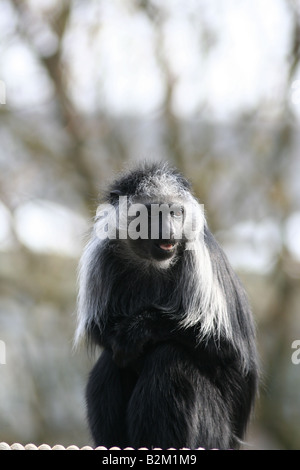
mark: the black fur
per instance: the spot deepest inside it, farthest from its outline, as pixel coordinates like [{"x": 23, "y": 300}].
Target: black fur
[{"x": 162, "y": 380}]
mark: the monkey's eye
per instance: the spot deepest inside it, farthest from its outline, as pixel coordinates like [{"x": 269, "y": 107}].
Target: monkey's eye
[
  {"x": 178, "y": 212},
  {"x": 115, "y": 192}
]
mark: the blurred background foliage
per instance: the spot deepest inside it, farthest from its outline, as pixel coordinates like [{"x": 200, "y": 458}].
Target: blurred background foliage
[{"x": 212, "y": 86}]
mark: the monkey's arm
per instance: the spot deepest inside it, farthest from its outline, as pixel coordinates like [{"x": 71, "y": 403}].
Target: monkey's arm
[
  {"x": 130, "y": 337},
  {"x": 126, "y": 337}
]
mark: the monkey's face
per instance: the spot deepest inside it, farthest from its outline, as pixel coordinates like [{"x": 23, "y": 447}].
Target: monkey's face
[
  {"x": 156, "y": 234},
  {"x": 151, "y": 216}
]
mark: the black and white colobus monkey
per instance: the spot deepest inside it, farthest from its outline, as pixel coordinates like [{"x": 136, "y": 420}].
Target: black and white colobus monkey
[{"x": 178, "y": 366}]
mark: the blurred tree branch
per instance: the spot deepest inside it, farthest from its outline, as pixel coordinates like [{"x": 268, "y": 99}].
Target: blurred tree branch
[
  {"x": 173, "y": 128},
  {"x": 295, "y": 38},
  {"x": 74, "y": 160}
]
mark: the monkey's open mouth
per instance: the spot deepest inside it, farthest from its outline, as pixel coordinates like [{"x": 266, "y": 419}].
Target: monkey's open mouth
[{"x": 167, "y": 245}]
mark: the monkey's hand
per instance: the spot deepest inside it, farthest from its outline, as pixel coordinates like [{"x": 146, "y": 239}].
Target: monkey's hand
[{"x": 133, "y": 335}]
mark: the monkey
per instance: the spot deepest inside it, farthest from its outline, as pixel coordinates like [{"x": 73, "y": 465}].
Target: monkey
[{"x": 178, "y": 364}]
